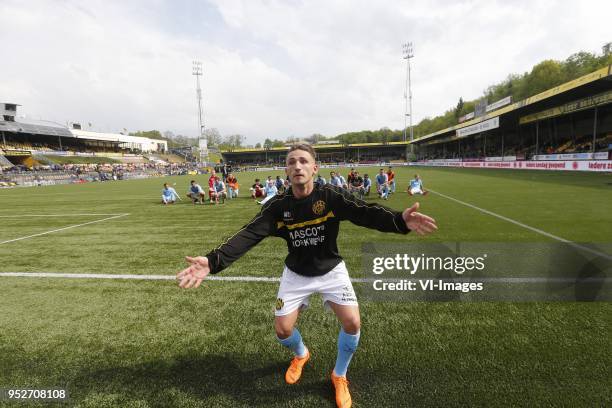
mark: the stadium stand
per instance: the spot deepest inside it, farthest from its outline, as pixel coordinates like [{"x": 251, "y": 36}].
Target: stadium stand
[
  {"x": 572, "y": 118},
  {"x": 43, "y": 152},
  {"x": 328, "y": 154},
  {"x": 38, "y": 155}
]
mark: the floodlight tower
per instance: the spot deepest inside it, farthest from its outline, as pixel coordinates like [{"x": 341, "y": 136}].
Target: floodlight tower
[
  {"x": 197, "y": 72},
  {"x": 408, "y": 54}
]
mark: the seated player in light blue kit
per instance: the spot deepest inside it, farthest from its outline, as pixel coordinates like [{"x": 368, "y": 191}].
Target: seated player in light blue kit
[
  {"x": 367, "y": 184},
  {"x": 220, "y": 191},
  {"x": 196, "y": 193},
  {"x": 416, "y": 186},
  {"x": 382, "y": 184},
  {"x": 334, "y": 180},
  {"x": 169, "y": 195},
  {"x": 270, "y": 190}
]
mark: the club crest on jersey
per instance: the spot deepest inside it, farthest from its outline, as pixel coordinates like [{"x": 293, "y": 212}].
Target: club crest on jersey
[
  {"x": 318, "y": 207},
  {"x": 279, "y": 304}
]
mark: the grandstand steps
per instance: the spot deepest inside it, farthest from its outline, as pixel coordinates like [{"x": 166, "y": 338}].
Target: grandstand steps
[
  {"x": 170, "y": 158},
  {"x": 131, "y": 159},
  {"x": 45, "y": 160},
  {"x": 4, "y": 162}
]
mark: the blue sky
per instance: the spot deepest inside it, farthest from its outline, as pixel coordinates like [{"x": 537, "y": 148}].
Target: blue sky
[{"x": 274, "y": 68}]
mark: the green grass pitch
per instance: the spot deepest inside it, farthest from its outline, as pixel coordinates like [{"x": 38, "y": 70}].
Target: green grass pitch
[{"x": 127, "y": 343}]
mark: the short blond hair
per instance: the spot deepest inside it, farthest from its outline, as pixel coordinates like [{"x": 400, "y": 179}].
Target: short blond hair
[{"x": 305, "y": 147}]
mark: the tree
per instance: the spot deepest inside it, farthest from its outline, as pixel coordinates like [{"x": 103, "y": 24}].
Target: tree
[
  {"x": 545, "y": 75},
  {"x": 151, "y": 134},
  {"x": 185, "y": 140},
  {"x": 459, "y": 108},
  {"x": 236, "y": 140},
  {"x": 213, "y": 137},
  {"x": 278, "y": 143},
  {"x": 315, "y": 138}
]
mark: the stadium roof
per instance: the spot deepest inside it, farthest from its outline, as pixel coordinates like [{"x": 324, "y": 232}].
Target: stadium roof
[
  {"x": 115, "y": 137},
  {"x": 316, "y": 147},
  {"x": 35, "y": 129},
  {"x": 52, "y": 129},
  {"x": 600, "y": 80}
]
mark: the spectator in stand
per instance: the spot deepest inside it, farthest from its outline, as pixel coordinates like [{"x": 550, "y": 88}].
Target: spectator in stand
[
  {"x": 232, "y": 186},
  {"x": 257, "y": 190},
  {"x": 195, "y": 193},
  {"x": 169, "y": 195}
]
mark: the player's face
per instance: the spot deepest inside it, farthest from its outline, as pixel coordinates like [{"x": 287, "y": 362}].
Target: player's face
[{"x": 301, "y": 167}]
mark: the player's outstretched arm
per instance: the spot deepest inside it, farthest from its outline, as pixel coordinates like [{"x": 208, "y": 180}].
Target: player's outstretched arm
[
  {"x": 417, "y": 222},
  {"x": 194, "y": 274}
]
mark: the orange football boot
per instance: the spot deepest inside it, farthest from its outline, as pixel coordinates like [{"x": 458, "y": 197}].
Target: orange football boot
[
  {"x": 294, "y": 372},
  {"x": 343, "y": 396}
]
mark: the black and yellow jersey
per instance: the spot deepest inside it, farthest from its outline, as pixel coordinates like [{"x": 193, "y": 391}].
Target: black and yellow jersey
[{"x": 309, "y": 226}]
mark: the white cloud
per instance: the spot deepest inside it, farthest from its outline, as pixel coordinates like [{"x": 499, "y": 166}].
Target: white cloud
[{"x": 278, "y": 68}]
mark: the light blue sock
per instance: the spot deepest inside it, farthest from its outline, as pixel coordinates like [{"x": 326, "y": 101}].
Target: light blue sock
[
  {"x": 294, "y": 343},
  {"x": 347, "y": 344}
]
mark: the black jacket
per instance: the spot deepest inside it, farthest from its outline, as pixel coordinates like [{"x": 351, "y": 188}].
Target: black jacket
[{"x": 309, "y": 226}]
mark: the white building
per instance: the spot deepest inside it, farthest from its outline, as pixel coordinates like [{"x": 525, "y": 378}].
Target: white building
[
  {"x": 144, "y": 144},
  {"x": 8, "y": 111}
]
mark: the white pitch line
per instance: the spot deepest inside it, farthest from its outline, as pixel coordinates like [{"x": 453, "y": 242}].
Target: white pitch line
[
  {"x": 136, "y": 277},
  {"x": 55, "y": 215},
  {"x": 520, "y": 224},
  {"x": 271, "y": 279},
  {"x": 63, "y": 229}
]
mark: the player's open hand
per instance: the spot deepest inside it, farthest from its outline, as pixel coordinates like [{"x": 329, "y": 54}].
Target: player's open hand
[
  {"x": 417, "y": 222},
  {"x": 193, "y": 275}
]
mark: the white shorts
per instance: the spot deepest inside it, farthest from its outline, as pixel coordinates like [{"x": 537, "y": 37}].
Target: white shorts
[
  {"x": 295, "y": 290},
  {"x": 416, "y": 191}
]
